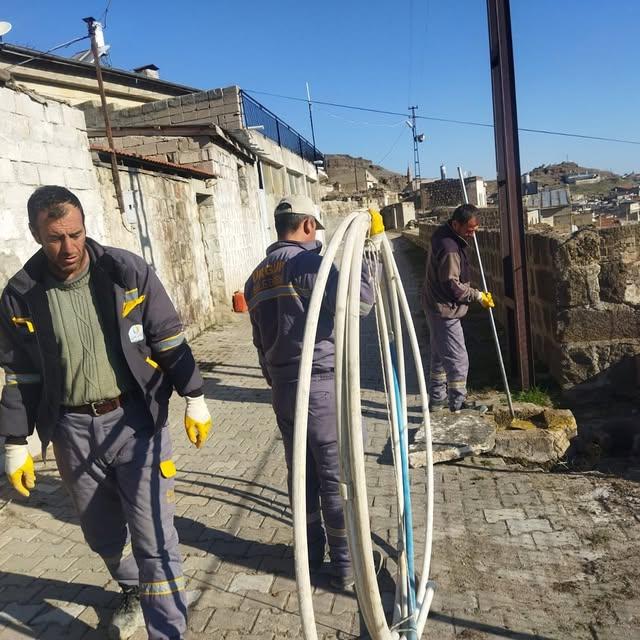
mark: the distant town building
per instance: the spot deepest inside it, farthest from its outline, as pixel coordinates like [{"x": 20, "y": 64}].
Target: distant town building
[
  {"x": 581, "y": 178},
  {"x": 548, "y": 206},
  {"x": 448, "y": 193}
]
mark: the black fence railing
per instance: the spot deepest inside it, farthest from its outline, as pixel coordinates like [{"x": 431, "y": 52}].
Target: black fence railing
[{"x": 256, "y": 115}]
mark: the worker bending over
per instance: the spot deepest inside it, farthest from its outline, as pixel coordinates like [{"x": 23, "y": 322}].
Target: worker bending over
[
  {"x": 92, "y": 349},
  {"x": 278, "y": 295},
  {"x": 446, "y": 296}
]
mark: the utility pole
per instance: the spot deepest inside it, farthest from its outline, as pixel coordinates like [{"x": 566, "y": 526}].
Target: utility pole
[
  {"x": 355, "y": 173},
  {"x": 416, "y": 152},
  {"x": 514, "y": 258},
  {"x": 96, "y": 28}
]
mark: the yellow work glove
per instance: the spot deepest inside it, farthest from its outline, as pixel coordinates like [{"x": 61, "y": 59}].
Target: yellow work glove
[
  {"x": 197, "y": 420},
  {"x": 486, "y": 300},
  {"x": 18, "y": 465},
  {"x": 376, "y": 227}
]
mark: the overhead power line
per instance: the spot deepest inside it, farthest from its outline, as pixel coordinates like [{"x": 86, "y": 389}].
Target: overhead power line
[{"x": 470, "y": 123}]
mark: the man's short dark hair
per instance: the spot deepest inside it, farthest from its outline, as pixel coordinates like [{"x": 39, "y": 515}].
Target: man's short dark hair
[
  {"x": 464, "y": 213},
  {"x": 287, "y": 223},
  {"x": 51, "y": 199}
]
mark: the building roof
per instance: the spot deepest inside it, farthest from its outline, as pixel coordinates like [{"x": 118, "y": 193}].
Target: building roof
[
  {"x": 133, "y": 159},
  {"x": 17, "y": 55},
  {"x": 548, "y": 198}
]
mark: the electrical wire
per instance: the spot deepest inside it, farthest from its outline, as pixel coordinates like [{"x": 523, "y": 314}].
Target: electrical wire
[
  {"x": 472, "y": 123},
  {"x": 393, "y": 146},
  {"x": 104, "y": 15}
]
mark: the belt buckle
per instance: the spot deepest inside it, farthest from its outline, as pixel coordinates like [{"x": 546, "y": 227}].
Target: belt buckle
[{"x": 94, "y": 408}]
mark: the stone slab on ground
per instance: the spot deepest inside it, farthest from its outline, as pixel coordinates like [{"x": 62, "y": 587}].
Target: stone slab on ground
[{"x": 454, "y": 436}]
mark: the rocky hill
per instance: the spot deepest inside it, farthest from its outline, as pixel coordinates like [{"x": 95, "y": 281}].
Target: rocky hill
[
  {"x": 389, "y": 179},
  {"x": 550, "y": 175}
]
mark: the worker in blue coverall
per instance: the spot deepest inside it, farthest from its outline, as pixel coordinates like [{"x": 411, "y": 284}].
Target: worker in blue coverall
[
  {"x": 92, "y": 349},
  {"x": 278, "y": 294}
]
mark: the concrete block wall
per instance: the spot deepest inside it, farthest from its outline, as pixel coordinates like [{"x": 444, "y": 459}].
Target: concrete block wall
[
  {"x": 584, "y": 300},
  {"x": 41, "y": 142},
  {"x": 218, "y": 106}
]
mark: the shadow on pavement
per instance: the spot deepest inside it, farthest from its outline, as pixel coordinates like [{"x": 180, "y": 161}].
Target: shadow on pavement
[
  {"x": 27, "y": 612},
  {"x": 469, "y": 627}
]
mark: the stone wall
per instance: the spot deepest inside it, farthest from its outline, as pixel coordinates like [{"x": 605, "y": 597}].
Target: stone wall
[
  {"x": 584, "y": 297},
  {"x": 171, "y": 227}
]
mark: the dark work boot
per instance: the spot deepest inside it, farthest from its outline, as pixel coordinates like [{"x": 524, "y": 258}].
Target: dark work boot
[
  {"x": 470, "y": 406},
  {"x": 127, "y": 618}
]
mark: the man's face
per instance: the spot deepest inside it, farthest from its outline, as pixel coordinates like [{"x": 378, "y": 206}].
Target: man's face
[
  {"x": 466, "y": 229},
  {"x": 63, "y": 241}
]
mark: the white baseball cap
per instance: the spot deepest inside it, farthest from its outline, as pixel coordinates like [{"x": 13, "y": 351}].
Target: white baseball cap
[{"x": 300, "y": 205}]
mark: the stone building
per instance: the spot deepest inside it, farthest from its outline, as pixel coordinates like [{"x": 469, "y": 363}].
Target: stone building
[
  {"x": 448, "y": 193},
  {"x": 201, "y": 172}
]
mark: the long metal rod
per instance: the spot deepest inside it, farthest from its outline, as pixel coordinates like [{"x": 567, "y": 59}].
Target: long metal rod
[
  {"x": 493, "y": 321},
  {"x": 91, "y": 23}
]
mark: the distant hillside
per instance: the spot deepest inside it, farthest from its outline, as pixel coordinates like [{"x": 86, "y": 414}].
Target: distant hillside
[
  {"x": 390, "y": 179},
  {"x": 550, "y": 175}
]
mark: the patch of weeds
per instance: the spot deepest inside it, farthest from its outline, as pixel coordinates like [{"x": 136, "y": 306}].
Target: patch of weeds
[{"x": 535, "y": 395}]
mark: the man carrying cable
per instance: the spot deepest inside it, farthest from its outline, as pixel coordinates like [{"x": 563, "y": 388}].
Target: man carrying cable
[
  {"x": 92, "y": 349},
  {"x": 278, "y": 294},
  {"x": 446, "y": 296}
]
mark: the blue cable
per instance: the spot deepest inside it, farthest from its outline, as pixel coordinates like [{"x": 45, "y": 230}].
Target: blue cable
[{"x": 406, "y": 489}]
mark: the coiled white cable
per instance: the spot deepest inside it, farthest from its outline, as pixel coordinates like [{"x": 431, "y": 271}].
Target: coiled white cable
[{"x": 391, "y": 300}]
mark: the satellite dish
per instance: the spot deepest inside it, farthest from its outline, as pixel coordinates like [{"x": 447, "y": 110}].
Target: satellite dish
[{"x": 5, "y": 27}]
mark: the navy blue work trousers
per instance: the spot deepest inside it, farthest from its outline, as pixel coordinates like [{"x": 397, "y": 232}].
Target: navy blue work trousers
[{"x": 325, "y": 517}]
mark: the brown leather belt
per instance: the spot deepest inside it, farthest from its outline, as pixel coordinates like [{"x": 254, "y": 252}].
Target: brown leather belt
[{"x": 98, "y": 408}]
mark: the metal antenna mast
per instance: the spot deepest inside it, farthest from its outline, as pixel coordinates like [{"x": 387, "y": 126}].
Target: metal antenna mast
[{"x": 416, "y": 152}]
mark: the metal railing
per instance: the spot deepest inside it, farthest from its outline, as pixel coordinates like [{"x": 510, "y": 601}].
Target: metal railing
[{"x": 257, "y": 115}]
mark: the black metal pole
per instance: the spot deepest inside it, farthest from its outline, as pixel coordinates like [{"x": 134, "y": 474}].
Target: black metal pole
[
  {"x": 91, "y": 24},
  {"x": 514, "y": 259}
]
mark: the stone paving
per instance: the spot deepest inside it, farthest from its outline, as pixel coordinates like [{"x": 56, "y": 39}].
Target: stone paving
[{"x": 518, "y": 553}]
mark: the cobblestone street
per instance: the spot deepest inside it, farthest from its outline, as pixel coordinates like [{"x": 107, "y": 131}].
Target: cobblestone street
[{"x": 519, "y": 553}]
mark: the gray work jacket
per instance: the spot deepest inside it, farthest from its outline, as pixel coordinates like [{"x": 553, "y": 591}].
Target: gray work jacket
[
  {"x": 278, "y": 294},
  {"x": 446, "y": 291},
  {"x": 130, "y": 296}
]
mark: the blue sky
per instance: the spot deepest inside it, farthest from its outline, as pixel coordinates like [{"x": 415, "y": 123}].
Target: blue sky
[{"x": 577, "y": 67}]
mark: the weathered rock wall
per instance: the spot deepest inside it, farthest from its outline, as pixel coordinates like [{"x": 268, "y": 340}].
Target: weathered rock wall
[{"x": 584, "y": 297}]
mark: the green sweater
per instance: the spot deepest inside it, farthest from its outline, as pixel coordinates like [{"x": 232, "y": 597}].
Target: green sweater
[{"x": 93, "y": 367}]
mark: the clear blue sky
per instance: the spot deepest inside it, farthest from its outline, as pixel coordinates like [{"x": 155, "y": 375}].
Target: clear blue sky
[{"x": 577, "y": 68}]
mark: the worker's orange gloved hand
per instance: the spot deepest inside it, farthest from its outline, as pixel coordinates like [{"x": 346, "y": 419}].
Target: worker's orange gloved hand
[{"x": 486, "y": 300}]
